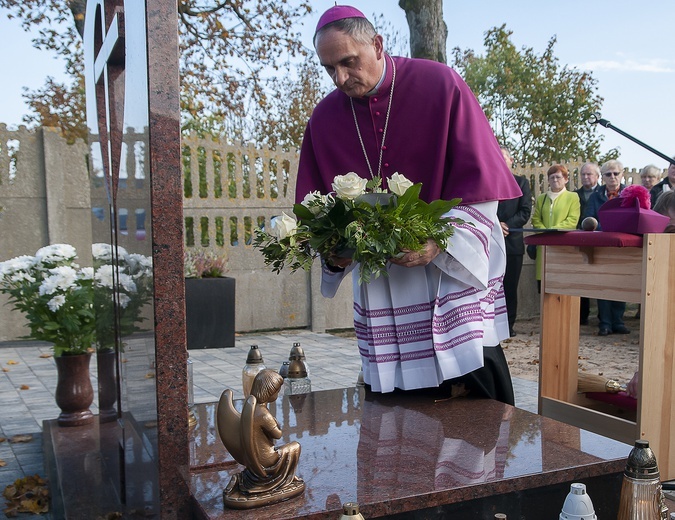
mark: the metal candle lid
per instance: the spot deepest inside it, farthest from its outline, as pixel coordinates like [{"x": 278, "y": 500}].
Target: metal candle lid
[
  {"x": 296, "y": 369},
  {"x": 254, "y": 356},
  {"x": 641, "y": 462},
  {"x": 350, "y": 508},
  {"x": 297, "y": 352}
]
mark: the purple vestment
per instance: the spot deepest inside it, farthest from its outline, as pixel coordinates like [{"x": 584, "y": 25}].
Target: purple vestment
[{"x": 423, "y": 325}]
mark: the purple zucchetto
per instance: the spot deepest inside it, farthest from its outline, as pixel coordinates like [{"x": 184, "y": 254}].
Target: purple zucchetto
[{"x": 338, "y": 12}]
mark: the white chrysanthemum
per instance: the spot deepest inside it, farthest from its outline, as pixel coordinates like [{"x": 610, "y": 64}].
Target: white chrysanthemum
[
  {"x": 20, "y": 263},
  {"x": 20, "y": 276},
  {"x": 139, "y": 264},
  {"x": 124, "y": 300},
  {"x": 122, "y": 254},
  {"x": 55, "y": 253},
  {"x": 56, "y": 302},
  {"x": 62, "y": 277},
  {"x": 87, "y": 273},
  {"x": 127, "y": 283},
  {"x": 104, "y": 276},
  {"x": 101, "y": 252}
]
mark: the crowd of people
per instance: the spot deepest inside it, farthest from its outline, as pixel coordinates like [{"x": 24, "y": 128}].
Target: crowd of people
[{"x": 558, "y": 208}]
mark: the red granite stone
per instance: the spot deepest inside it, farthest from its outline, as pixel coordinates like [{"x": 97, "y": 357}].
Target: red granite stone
[{"x": 395, "y": 454}]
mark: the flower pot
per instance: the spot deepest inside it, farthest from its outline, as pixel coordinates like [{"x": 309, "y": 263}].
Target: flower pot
[
  {"x": 209, "y": 307},
  {"x": 107, "y": 385},
  {"x": 74, "y": 393}
]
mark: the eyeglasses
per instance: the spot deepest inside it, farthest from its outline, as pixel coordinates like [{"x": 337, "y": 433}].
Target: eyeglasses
[{"x": 609, "y": 174}]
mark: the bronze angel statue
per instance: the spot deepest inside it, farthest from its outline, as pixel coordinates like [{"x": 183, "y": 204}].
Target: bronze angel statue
[{"x": 269, "y": 474}]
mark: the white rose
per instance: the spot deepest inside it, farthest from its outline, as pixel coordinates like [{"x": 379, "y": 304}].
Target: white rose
[
  {"x": 349, "y": 186},
  {"x": 314, "y": 201},
  {"x": 283, "y": 226},
  {"x": 398, "y": 184}
]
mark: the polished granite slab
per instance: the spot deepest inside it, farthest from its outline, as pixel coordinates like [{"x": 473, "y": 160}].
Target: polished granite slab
[{"x": 399, "y": 453}]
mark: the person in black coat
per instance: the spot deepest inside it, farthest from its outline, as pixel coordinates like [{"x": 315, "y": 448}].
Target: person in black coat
[
  {"x": 589, "y": 174},
  {"x": 610, "y": 313},
  {"x": 514, "y": 213},
  {"x": 667, "y": 184}
]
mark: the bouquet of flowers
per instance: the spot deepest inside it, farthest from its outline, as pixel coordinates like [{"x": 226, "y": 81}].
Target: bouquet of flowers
[
  {"x": 55, "y": 294},
  {"x": 123, "y": 286},
  {"x": 358, "y": 220}
]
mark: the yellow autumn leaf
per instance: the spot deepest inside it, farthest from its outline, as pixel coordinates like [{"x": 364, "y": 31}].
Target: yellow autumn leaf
[
  {"x": 24, "y": 387},
  {"x": 24, "y": 437},
  {"x": 35, "y": 505},
  {"x": 12, "y": 362},
  {"x": 45, "y": 355},
  {"x": 149, "y": 375}
]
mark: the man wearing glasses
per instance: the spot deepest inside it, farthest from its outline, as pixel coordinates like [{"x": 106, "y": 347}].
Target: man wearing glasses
[{"x": 609, "y": 312}]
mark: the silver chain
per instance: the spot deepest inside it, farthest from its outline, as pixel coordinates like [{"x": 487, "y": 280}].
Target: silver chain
[{"x": 386, "y": 124}]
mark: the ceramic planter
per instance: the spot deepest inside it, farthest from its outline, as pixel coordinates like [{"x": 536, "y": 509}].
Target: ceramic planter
[{"x": 74, "y": 392}]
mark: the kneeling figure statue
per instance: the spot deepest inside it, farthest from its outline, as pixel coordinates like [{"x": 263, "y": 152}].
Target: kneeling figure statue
[{"x": 269, "y": 474}]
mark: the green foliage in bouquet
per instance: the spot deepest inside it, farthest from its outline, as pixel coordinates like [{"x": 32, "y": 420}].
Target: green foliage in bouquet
[{"x": 359, "y": 221}]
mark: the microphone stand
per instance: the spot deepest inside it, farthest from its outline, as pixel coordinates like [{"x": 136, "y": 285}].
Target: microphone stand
[{"x": 596, "y": 119}]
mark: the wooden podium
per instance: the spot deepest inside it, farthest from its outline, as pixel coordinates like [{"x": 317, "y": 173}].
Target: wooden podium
[{"x": 621, "y": 267}]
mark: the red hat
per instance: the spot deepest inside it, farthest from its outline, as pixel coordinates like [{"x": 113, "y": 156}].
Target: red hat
[{"x": 338, "y": 12}]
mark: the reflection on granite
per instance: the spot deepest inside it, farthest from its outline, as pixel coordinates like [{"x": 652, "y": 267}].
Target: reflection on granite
[{"x": 398, "y": 453}]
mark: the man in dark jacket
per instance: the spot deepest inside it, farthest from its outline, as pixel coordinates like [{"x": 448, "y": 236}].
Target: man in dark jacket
[
  {"x": 667, "y": 184},
  {"x": 589, "y": 174},
  {"x": 609, "y": 312},
  {"x": 514, "y": 213}
]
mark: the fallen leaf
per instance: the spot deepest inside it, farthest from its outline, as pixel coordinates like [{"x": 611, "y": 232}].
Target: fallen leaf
[
  {"x": 5, "y": 369},
  {"x": 27, "y": 495},
  {"x": 45, "y": 355},
  {"x": 3, "y": 439},
  {"x": 2, "y": 463},
  {"x": 24, "y": 387},
  {"x": 23, "y": 437},
  {"x": 12, "y": 362},
  {"x": 149, "y": 375}
]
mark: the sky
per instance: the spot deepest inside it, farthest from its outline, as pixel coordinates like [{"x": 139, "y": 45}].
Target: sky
[{"x": 627, "y": 45}]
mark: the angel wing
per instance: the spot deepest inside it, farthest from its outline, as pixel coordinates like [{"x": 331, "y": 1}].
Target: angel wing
[{"x": 229, "y": 427}]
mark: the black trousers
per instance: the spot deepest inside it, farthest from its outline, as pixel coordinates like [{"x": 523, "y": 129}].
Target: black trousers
[
  {"x": 492, "y": 381},
  {"x": 514, "y": 266}
]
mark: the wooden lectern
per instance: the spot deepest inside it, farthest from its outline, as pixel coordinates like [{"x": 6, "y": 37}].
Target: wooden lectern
[{"x": 620, "y": 267}]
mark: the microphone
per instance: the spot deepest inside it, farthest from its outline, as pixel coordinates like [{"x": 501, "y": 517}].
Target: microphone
[
  {"x": 596, "y": 118},
  {"x": 589, "y": 224}
]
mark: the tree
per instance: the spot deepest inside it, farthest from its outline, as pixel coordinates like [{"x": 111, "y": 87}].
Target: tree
[
  {"x": 283, "y": 126},
  {"x": 428, "y": 32},
  {"x": 536, "y": 107},
  {"x": 227, "y": 48}
]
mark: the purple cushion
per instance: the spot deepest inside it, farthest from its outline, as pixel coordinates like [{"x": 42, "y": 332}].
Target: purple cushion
[{"x": 621, "y": 399}]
